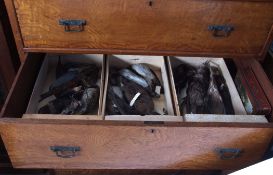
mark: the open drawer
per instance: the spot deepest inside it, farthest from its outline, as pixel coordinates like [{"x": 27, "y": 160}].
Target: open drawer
[{"x": 102, "y": 144}]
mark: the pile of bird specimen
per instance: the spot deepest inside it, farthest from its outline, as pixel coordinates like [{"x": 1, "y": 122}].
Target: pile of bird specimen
[
  {"x": 131, "y": 91},
  {"x": 75, "y": 90},
  {"x": 202, "y": 89}
]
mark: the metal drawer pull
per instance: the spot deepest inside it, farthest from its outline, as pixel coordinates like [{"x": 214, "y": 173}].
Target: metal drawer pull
[
  {"x": 150, "y": 3},
  {"x": 65, "y": 151},
  {"x": 228, "y": 153},
  {"x": 221, "y": 30},
  {"x": 72, "y": 25}
]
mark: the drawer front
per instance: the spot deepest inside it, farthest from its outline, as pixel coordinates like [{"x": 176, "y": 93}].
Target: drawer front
[
  {"x": 156, "y": 26},
  {"x": 132, "y": 147}
]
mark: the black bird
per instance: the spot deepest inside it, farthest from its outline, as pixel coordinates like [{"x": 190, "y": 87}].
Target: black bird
[
  {"x": 214, "y": 100},
  {"x": 137, "y": 97},
  {"x": 198, "y": 85},
  {"x": 223, "y": 90},
  {"x": 181, "y": 75},
  {"x": 116, "y": 103}
]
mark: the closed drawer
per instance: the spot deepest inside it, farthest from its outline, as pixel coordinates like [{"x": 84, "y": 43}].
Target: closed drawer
[
  {"x": 86, "y": 144},
  {"x": 191, "y": 27}
]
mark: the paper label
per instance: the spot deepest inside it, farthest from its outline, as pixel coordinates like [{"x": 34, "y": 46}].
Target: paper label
[
  {"x": 157, "y": 90},
  {"x": 134, "y": 99}
]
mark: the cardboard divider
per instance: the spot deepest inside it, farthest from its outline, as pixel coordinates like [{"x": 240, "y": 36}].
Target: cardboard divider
[
  {"x": 157, "y": 64},
  {"x": 240, "y": 113},
  {"x": 47, "y": 76}
]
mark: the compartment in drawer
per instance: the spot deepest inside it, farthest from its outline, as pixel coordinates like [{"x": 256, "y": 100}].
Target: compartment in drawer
[
  {"x": 154, "y": 100},
  {"x": 219, "y": 96},
  {"x": 68, "y": 87}
]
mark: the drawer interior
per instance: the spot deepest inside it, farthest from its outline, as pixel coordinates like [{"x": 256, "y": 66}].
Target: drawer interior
[
  {"x": 181, "y": 65},
  {"x": 127, "y": 142},
  {"x": 47, "y": 76},
  {"x": 33, "y": 73},
  {"x": 163, "y": 106}
]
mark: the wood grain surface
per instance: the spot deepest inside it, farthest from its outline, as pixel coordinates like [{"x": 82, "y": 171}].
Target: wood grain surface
[
  {"x": 15, "y": 29},
  {"x": 136, "y": 172},
  {"x": 7, "y": 69},
  {"x": 173, "y": 26},
  {"x": 261, "y": 77},
  {"x": 21, "y": 89},
  {"x": 132, "y": 147}
]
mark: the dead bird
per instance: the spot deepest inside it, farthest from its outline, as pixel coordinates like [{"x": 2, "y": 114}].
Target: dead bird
[
  {"x": 129, "y": 75},
  {"x": 65, "y": 82},
  {"x": 197, "y": 89},
  {"x": 214, "y": 100},
  {"x": 116, "y": 103},
  {"x": 90, "y": 75},
  {"x": 181, "y": 75},
  {"x": 55, "y": 106},
  {"x": 137, "y": 97},
  {"x": 223, "y": 90},
  {"x": 63, "y": 68},
  {"x": 83, "y": 102},
  {"x": 181, "y": 97},
  {"x": 85, "y": 76},
  {"x": 151, "y": 78},
  {"x": 114, "y": 77}
]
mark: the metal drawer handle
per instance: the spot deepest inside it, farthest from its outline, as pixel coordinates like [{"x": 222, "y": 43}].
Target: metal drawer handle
[
  {"x": 65, "y": 151},
  {"x": 228, "y": 153},
  {"x": 221, "y": 30},
  {"x": 78, "y": 25}
]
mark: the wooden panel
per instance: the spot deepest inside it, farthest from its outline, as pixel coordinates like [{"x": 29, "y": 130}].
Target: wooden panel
[
  {"x": 7, "y": 69},
  {"x": 136, "y": 172},
  {"x": 170, "y": 27},
  {"x": 17, "y": 99},
  {"x": 261, "y": 77},
  {"x": 131, "y": 147},
  {"x": 15, "y": 27}
]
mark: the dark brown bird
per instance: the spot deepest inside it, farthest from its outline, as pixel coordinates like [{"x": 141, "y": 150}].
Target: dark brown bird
[
  {"x": 214, "y": 100},
  {"x": 83, "y": 102},
  {"x": 223, "y": 90},
  {"x": 137, "y": 97},
  {"x": 197, "y": 89},
  {"x": 181, "y": 75},
  {"x": 116, "y": 103},
  {"x": 151, "y": 78}
]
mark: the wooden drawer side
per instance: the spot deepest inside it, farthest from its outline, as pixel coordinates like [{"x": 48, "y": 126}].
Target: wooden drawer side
[{"x": 18, "y": 97}]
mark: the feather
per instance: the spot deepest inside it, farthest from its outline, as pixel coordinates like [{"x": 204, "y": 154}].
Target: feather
[
  {"x": 214, "y": 100},
  {"x": 144, "y": 104},
  {"x": 148, "y": 74},
  {"x": 223, "y": 90},
  {"x": 116, "y": 103},
  {"x": 198, "y": 84}
]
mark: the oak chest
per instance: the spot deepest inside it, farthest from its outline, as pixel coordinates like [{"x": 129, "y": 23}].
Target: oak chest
[{"x": 238, "y": 29}]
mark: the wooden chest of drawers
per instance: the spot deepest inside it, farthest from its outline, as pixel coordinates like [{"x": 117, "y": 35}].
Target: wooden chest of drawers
[{"x": 238, "y": 29}]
